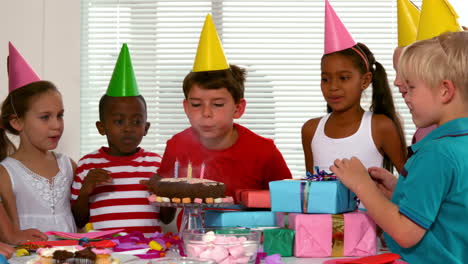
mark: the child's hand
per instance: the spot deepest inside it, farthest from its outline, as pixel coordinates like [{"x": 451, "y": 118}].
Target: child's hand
[
  {"x": 384, "y": 179},
  {"x": 30, "y": 235},
  {"x": 352, "y": 173},
  {"x": 145, "y": 183},
  {"x": 94, "y": 178},
  {"x": 6, "y": 250}
]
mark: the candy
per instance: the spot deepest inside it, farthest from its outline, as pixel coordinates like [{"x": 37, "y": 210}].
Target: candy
[
  {"x": 186, "y": 200},
  {"x": 209, "y": 237},
  {"x": 228, "y": 199},
  {"x": 152, "y": 198},
  {"x": 209, "y": 200},
  {"x": 219, "y": 253},
  {"x": 223, "y": 248},
  {"x": 155, "y": 245},
  {"x": 166, "y": 200},
  {"x": 198, "y": 200},
  {"x": 22, "y": 252},
  {"x": 195, "y": 250},
  {"x": 237, "y": 251},
  {"x": 176, "y": 200},
  {"x": 218, "y": 200}
]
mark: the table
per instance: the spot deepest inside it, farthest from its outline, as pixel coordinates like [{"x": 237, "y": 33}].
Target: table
[{"x": 129, "y": 259}]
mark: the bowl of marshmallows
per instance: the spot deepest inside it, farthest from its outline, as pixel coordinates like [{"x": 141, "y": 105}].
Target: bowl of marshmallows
[{"x": 222, "y": 245}]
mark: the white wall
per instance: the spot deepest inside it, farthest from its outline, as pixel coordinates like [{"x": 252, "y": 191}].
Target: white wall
[{"x": 47, "y": 33}]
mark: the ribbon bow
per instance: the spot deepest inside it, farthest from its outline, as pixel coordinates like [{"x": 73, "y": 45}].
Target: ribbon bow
[{"x": 321, "y": 175}]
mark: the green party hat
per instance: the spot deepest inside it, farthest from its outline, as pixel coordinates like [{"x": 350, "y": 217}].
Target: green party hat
[{"x": 123, "y": 82}]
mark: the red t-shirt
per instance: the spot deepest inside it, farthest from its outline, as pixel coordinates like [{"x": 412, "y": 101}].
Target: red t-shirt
[{"x": 250, "y": 163}]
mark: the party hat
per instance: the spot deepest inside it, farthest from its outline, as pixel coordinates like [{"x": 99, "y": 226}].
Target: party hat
[
  {"x": 437, "y": 17},
  {"x": 337, "y": 36},
  {"x": 210, "y": 54},
  {"x": 408, "y": 19},
  {"x": 123, "y": 82},
  {"x": 20, "y": 72}
]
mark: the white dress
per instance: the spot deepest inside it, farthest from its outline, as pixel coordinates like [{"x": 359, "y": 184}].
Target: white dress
[{"x": 41, "y": 204}]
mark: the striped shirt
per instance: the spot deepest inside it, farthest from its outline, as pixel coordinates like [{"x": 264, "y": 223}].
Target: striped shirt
[{"x": 122, "y": 203}]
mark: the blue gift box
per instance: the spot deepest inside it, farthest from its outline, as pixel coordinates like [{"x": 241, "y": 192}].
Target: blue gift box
[
  {"x": 240, "y": 218},
  {"x": 302, "y": 196}
]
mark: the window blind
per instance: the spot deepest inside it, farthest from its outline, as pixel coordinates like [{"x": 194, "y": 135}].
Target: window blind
[{"x": 280, "y": 43}]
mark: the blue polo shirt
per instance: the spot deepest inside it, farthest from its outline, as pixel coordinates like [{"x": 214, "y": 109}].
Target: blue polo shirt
[{"x": 432, "y": 191}]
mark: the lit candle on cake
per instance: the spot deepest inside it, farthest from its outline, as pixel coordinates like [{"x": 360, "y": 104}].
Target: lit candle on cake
[
  {"x": 176, "y": 169},
  {"x": 189, "y": 170},
  {"x": 202, "y": 171}
]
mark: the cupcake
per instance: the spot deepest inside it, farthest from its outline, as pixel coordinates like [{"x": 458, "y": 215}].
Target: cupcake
[
  {"x": 102, "y": 255},
  {"x": 85, "y": 256},
  {"x": 45, "y": 255},
  {"x": 61, "y": 256}
]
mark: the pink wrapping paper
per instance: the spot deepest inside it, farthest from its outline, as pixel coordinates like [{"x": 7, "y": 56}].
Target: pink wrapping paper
[{"x": 314, "y": 234}]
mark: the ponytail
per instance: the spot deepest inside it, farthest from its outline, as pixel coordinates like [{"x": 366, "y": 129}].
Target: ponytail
[
  {"x": 6, "y": 146},
  {"x": 382, "y": 101}
]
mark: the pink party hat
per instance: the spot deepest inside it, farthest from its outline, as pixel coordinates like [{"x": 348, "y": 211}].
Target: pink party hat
[
  {"x": 337, "y": 36},
  {"x": 20, "y": 72}
]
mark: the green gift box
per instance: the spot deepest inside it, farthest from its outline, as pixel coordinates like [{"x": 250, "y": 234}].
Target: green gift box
[{"x": 278, "y": 241}]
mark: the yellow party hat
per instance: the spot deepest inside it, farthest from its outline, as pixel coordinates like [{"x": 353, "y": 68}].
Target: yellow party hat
[
  {"x": 408, "y": 19},
  {"x": 437, "y": 17},
  {"x": 210, "y": 54}
]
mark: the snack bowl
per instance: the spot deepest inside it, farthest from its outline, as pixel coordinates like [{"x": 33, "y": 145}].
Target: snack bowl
[
  {"x": 181, "y": 260},
  {"x": 222, "y": 245}
]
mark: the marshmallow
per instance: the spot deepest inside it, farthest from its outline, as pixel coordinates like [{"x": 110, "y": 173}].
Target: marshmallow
[
  {"x": 209, "y": 237},
  {"x": 237, "y": 251},
  {"x": 219, "y": 253},
  {"x": 195, "y": 250},
  {"x": 243, "y": 260}
]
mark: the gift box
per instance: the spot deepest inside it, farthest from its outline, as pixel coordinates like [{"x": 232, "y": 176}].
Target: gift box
[
  {"x": 325, "y": 235},
  {"x": 304, "y": 196},
  {"x": 239, "y": 218},
  {"x": 253, "y": 198},
  {"x": 278, "y": 241}
]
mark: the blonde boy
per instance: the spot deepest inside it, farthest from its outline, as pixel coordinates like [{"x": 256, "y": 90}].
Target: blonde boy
[{"x": 425, "y": 219}]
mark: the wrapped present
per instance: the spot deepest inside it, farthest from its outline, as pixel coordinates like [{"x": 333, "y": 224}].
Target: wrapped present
[
  {"x": 253, "y": 198},
  {"x": 307, "y": 196},
  {"x": 278, "y": 241},
  {"x": 325, "y": 235},
  {"x": 239, "y": 218}
]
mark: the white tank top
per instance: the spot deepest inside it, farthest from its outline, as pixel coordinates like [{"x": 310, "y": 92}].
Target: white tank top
[
  {"x": 40, "y": 204},
  {"x": 361, "y": 145}
]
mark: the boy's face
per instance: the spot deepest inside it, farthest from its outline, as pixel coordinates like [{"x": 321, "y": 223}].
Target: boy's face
[
  {"x": 211, "y": 112},
  {"x": 423, "y": 103},
  {"x": 124, "y": 124}
]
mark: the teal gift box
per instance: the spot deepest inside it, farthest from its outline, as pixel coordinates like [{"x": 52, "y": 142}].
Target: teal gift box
[
  {"x": 239, "y": 218},
  {"x": 303, "y": 196}
]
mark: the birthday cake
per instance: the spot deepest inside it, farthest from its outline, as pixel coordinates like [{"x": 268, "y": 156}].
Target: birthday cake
[{"x": 186, "y": 190}]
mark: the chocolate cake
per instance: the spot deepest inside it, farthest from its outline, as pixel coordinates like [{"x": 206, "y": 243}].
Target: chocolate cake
[{"x": 186, "y": 188}]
